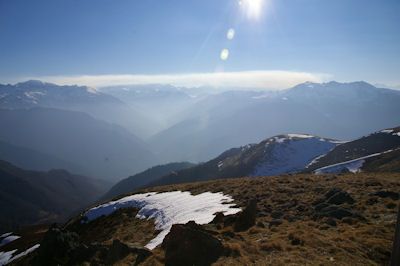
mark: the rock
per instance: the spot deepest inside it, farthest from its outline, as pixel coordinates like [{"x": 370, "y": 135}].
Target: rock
[
  {"x": 337, "y": 212},
  {"x": 246, "y": 218},
  {"x": 275, "y": 222},
  {"x": 321, "y": 206},
  {"x": 229, "y": 220},
  {"x": 261, "y": 224},
  {"x": 276, "y": 214},
  {"x": 119, "y": 250},
  {"x": 218, "y": 219},
  {"x": 56, "y": 246},
  {"x": 330, "y": 221},
  {"x": 332, "y": 192},
  {"x": 295, "y": 241},
  {"x": 340, "y": 198},
  {"x": 386, "y": 194},
  {"x": 189, "y": 244}
]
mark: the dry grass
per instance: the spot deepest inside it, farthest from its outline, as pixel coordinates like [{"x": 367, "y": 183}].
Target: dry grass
[{"x": 301, "y": 238}]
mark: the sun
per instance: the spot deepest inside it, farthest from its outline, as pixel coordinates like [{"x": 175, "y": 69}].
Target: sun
[{"x": 252, "y": 8}]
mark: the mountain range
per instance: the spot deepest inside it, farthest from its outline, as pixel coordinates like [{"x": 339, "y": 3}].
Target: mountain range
[
  {"x": 29, "y": 197},
  {"x": 119, "y": 131}
]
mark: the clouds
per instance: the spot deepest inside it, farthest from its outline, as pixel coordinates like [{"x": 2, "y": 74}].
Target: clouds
[{"x": 262, "y": 79}]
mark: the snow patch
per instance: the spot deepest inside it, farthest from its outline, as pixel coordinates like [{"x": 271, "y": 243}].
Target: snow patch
[
  {"x": 300, "y": 136},
  {"x": 6, "y": 234},
  {"x": 353, "y": 166},
  {"x": 7, "y": 257},
  {"x": 8, "y": 239},
  {"x": 169, "y": 208}
]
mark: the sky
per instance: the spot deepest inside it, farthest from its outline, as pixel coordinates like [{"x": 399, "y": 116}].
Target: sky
[{"x": 253, "y": 43}]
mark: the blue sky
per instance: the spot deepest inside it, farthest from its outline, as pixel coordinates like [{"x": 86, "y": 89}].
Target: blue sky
[{"x": 345, "y": 40}]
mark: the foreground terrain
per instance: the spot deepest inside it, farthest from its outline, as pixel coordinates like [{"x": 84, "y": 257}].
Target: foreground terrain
[{"x": 346, "y": 219}]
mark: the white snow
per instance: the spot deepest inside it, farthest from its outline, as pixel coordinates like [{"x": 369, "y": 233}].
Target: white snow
[
  {"x": 6, "y": 234},
  {"x": 262, "y": 96},
  {"x": 353, "y": 166},
  {"x": 91, "y": 90},
  {"x": 7, "y": 257},
  {"x": 291, "y": 153},
  {"x": 391, "y": 131},
  {"x": 169, "y": 208},
  {"x": 8, "y": 239},
  {"x": 301, "y": 136}
]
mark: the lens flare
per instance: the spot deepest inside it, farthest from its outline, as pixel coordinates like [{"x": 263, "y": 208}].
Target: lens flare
[
  {"x": 224, "y": 54},
  {"x": 230, "y": 34}
]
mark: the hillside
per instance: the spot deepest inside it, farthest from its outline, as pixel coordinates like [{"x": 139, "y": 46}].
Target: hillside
[
  {"x": 377, "y": 142},
  {"x": 99, "y": 148},
  {"x": 33, "y": 160},
  {"x": 299, "y": 219},
  {"x": 277, "y": 155},
  {"x": 29, "y": 197},
  {"x": 139, "y": 180}
]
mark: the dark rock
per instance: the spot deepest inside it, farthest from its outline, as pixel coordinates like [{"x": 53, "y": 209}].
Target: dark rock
[
  {"x": 189, "y": 244},
  {"x": 340, "y": 198},
  {"x": 260, "y": 224},
  {"x": 275, "y": 222},
  {"x": 290, "y": 218},
  {"x": 119, "y": 250},
  {"x": 295, "y": 241},
  {"x": 229, "y": 220},
  {"x": 56, "y": 247},
  {"x": 332, "y": 192},
  {"x": 337, "y": 212},
  {"x": 321, "y": 206},
  {"x": 386, "y": 194},
  {"x": 229, "y": 234},
  {"x": 391, "y": 205},
  {"x": 330, "y": 221},
  {"x": 246, "y": 218},
  {"x": 218, "y": 219},
  {"x": 276, "y": 214}
]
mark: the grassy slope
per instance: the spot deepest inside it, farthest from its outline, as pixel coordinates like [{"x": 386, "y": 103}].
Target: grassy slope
[{"x": 351, "y": 242}]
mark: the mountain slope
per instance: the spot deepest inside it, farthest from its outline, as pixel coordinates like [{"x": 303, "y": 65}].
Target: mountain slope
[
  {"x": 102, "y": 149},
  {"x": 277, "y": 155},
  {"x": 374, "y": 143},
  {"x": 29, "y": 197},
  {"x": 299, "y": 219},
  {"x": 139, "y": 180},
  {"x": 33, "y": 160}
]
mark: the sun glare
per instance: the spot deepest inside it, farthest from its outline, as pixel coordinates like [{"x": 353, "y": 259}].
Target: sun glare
[{"x": 252, "y": 8}]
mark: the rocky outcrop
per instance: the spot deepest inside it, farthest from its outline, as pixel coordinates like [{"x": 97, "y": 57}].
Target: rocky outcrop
[
  {"x": 190, "y": 244},
  {"x": 61, "y": 247},
  {"x": 247, "y": 218}
]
